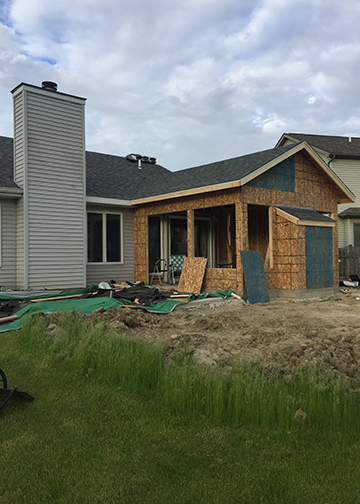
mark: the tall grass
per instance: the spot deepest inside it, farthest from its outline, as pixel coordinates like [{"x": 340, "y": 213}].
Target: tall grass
[{"x": 241, "y": 395}]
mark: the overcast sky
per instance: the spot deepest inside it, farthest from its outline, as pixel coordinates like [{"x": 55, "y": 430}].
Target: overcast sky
[{"x": 189, "y": 81}]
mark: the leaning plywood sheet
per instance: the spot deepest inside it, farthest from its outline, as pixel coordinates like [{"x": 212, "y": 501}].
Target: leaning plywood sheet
[
  {"x": 254, "y": 275},
  {"x": 192, "y": 274}
]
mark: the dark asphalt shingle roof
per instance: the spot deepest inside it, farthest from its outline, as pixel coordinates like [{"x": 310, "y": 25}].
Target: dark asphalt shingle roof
[
  {"x": 6, "y": 164},
  {"x": 305, "y": 214},
  {"x": 220, "y": 172},
  {"x": 351, "y": 212},
  {"x": 109, "y": 176},
  {"x": 336, "y": 145},
  {"x": 106, "y": 176}
]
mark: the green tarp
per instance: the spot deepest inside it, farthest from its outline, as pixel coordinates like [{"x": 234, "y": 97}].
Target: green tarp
[
  {"x": 89, "y": 305},
  {"x": 85, "y": 306}
]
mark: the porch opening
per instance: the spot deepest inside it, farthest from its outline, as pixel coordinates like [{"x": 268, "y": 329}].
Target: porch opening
[
  {"x": 213, "y": 236},
  {"x": 154, "y": 243},
  {"x": 259, "y": 232}
]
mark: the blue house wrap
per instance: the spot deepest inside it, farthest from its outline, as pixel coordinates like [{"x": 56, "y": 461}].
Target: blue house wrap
[{"x": 319, "y": 257}]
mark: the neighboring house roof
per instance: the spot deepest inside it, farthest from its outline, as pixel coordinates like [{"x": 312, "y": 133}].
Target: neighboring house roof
[
  {"x": 334, "y": 146},
  {"x": 350, "y": 213}
]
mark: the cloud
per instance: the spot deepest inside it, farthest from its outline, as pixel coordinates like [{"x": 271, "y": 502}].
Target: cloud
[{"x": 189, "y": 82}]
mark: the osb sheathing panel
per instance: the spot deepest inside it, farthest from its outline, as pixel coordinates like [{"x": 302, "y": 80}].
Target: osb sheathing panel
[
  {"x": 311, "y": 180},
  {"x": 320, "y": 203},
  {"x": 220, "y": 278},
  {"x": 288, "y": 255},
  {"x": 282, "y": 230},
  {"x": 140, "y": 248},
  {"x": 192, "y": 274}
]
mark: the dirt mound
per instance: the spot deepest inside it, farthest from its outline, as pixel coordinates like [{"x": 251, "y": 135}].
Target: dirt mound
[{"x": 283, "y": 336}]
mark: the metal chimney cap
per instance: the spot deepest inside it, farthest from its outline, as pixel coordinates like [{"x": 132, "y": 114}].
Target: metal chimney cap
[{"x": 49, "y": 86}]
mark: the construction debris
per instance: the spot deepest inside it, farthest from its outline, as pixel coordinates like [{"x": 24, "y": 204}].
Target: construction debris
[{"x": 15, "y": 306}]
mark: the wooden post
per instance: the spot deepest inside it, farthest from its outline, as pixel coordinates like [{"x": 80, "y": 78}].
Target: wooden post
[
  {"x": 190, "y": 234},
  {"x": 269, "y": 260},
  {"x": 238, "y": 241}
]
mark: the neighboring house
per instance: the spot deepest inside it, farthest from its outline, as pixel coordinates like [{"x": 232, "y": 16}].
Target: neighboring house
[
  {"x": 70, "y": 218},
  {"x": 342, "y": 154}
]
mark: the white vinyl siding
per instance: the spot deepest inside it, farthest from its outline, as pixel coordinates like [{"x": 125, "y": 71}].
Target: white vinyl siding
[
  {"x": 346, "y": 231},
  {"x": 53, "y": 178},
  {"x": 8, "y": 244},
  {"x": 99, "y": 272},
  {"x": 19, "y": 139},
  {"x": 19, "y": 178},
  {"x": 349, "y": 172},
  {"x": 343, "y": 233}
]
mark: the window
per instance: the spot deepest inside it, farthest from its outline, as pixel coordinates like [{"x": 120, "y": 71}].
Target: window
[
  {"x": 356, "y": 235},
  {"x": 104, "y": 237},
  {"x": 178, "y": 236}
]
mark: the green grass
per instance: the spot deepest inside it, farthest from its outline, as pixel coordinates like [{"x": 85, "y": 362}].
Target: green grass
[{"x": 117, "y": 420}]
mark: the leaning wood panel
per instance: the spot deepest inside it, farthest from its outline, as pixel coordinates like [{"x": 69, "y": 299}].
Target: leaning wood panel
[{"x": 192, "y": 274}]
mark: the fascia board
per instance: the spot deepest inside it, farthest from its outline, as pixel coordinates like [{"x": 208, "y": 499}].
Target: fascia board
[
  {"x": 316, "y": 223},
  {"x": 10, "y": 192},
  {"x": 188, "y": 192},
  {"x": 107, "y": 201}
]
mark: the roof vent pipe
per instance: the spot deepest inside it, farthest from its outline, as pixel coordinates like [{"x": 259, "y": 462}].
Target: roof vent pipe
[
  {"x": 49, "y": 86},
  {"x": 139, "y": 158},
  {"x": 349, "y": 139}
]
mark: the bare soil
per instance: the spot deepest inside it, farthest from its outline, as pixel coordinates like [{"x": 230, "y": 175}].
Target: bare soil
[{"x": 282, "y": 336}]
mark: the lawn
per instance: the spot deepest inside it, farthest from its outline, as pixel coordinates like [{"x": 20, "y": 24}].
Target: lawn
[{"x": 115, "y": 421}]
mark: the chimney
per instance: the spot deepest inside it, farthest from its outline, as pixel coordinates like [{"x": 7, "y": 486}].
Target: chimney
[{"x": 49, "y": 166}]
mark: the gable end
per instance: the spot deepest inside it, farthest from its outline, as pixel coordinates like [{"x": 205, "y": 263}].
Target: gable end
[{"x": 279, "y": 178}]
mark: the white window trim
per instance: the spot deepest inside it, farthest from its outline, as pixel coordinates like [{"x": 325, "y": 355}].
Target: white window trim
[{"x": 104, "y": 214}]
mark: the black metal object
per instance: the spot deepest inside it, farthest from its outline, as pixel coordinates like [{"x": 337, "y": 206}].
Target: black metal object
[{"x": 8, "y": 393}]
